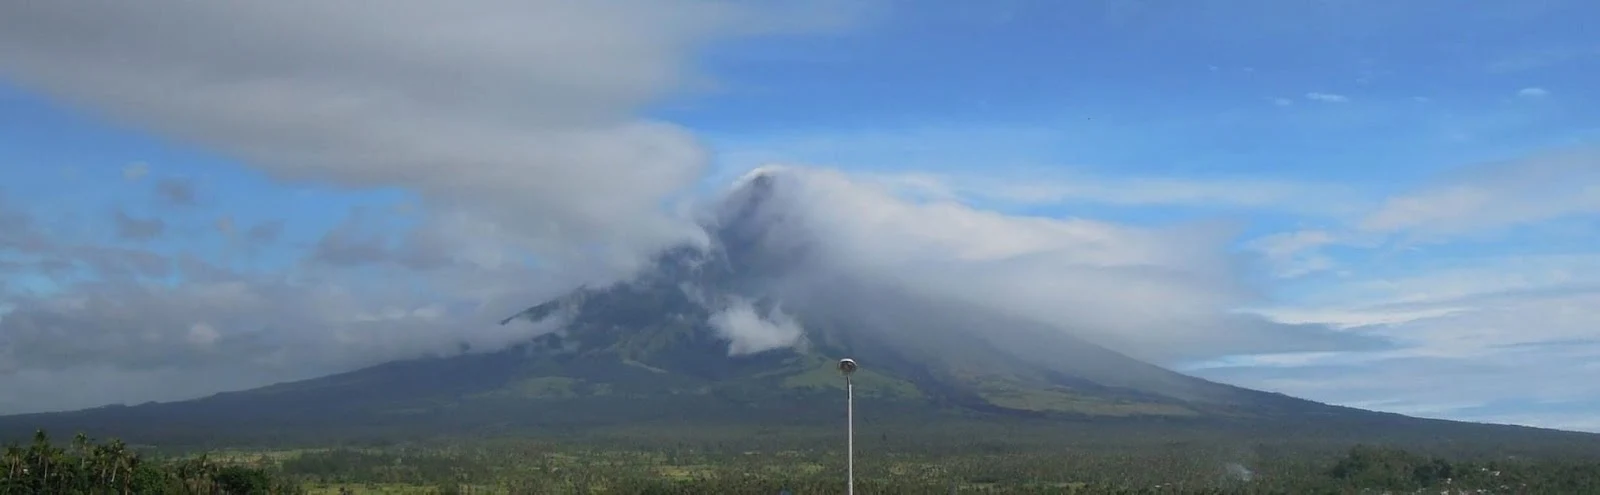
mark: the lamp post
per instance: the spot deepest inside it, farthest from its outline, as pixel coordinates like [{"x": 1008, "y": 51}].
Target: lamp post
[{"x": 847, "y": 366}]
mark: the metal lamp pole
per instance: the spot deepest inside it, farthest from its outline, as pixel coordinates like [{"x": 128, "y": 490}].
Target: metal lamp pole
[{"x": 846, "y": 367}]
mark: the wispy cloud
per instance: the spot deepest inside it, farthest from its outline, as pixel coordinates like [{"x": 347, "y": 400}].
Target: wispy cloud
[
  {"x": 1041, "y": 187},
  {"x": 135, "y": 171},
  {"x": 1496, "y": 196},
  {"x": 1514, "y": 325},
  {"x": 1527, "y": 60},
  {"x": 1327, "y": 97},
  {"x": 1294, "y": 253}
]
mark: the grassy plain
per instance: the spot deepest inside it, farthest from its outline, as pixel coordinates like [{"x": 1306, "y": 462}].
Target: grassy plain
[{"x": 972, "y": 457}]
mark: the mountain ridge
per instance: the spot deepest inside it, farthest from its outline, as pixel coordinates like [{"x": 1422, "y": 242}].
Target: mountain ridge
[{"x": 743, "y": 329}]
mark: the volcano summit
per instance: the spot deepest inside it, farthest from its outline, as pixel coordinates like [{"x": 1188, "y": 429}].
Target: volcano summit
[{"x": 744, "y": 326}]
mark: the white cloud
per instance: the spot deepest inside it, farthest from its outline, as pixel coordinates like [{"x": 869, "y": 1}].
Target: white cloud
[
  {"x": 1327, "y": 97},
  {"x": 493, "y": 107},
  {"x": 923, "y": 148},
  {"x": 1533, "y": 92},
  {"x": 1525, "y": 60},
  {"x": 998, "y": 165},
  {"x": 1282, "y": 102},
  {"x": 1355, "y": 318},
  {"x": 1041, "y": 187},
  {"x": 203, "y": 334},
  {"x": 513, "y": 122},
  {"x": 447, "y": 279},
  {"x": 128, "y": 323},
  {"x": 1293, "y": 253},
  {"x": 1161, "y": 293},
  {"x": 1454, "y": 383},
  {"x": 1496, "y": 196},
  {"x": 750, "y": 331},
  {"x": 1581, "y": 420},
  {"x": 1291, "y": 243},
  {"x": 1430, "y": 285},
  {"x": 1477, "y": 325},
  {"x": 1473, "y": 332}
]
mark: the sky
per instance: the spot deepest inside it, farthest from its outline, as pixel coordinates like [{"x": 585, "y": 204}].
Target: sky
[{"x": 1388, "y": 205}]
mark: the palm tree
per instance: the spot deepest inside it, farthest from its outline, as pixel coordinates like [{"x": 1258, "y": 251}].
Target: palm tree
[
  {"x": 14, "y": 459},
  {"x": 81, "y": 448},
  {"x": 131, "y": 462},
  {"x": 116, "y": 459},
  {"x": 198, "y": 474},
  {"x": 44, "y": 457}
]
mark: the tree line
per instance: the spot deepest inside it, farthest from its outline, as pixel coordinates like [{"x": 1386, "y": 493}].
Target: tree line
[
  {"x": 111, "y": 467},
  {"x": 523, "y": 465},
  {"x": 578, "y": 469}
]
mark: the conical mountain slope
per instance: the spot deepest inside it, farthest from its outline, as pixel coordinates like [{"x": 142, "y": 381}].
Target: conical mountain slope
[
  {"x": 675, "y": 319},
  {"x": 745, "y": 327}
]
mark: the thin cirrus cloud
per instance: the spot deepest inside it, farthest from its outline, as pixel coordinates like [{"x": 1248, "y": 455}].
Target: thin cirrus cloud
[
  {"x": 1469, "y": 280},
  {"x": 1055, "y": 187},
  {"x": 1475, "y": 202},
  {"x": 1446, "y": 334},
  {"x": 1497, "y": 195},
  {"x": 1327, "y": 97}
]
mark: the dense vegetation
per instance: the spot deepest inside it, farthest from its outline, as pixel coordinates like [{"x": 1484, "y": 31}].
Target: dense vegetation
[
  {"x": 111, "y": 467},
  {"x": 558, "y": 470},
  {"x": 736, "y": 460}
]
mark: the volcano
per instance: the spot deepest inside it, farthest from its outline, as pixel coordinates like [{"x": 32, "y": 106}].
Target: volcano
[{"x": 743, "y": 327}]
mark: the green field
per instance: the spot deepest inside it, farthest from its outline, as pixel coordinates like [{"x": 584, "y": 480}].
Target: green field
[{"x": 901, "y": 459}]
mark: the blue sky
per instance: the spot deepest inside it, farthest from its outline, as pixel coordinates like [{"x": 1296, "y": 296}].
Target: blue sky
[{"x": 1408, "y": 171}]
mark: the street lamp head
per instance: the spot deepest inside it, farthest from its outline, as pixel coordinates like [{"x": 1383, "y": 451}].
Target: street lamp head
[{"x": 847, "y": 366}]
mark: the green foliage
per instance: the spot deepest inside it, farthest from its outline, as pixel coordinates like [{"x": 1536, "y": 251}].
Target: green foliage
[
  {"x": 891, "y": 459},
  {"x": 1388, "y": 468},
  {"x": 822, "y": 374},
  {"x": 85, "y": 467},
  {"x": 781, "y": 464}
]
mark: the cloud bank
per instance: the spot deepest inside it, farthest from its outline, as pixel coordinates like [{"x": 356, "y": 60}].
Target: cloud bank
[
  {"x": 521, "y": 112},
  {"x": 1163, "y": 293},
  {"x": 512, "y": 125}
]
